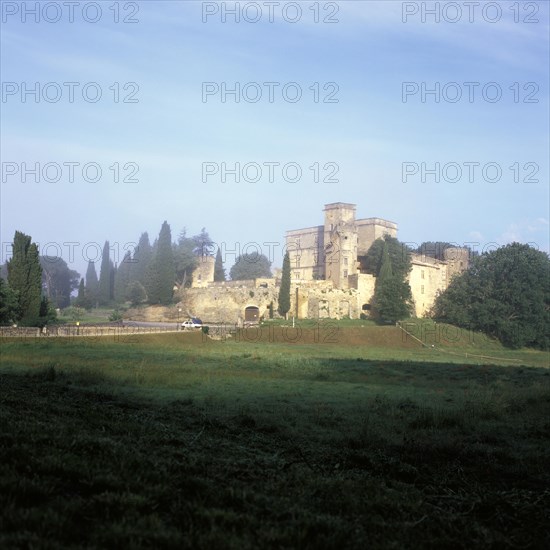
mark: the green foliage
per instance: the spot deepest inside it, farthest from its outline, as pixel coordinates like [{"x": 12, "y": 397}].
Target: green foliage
[
  {"x": 162, "y": 270},
  {"x": 25, "y": 278},
  {"x": 92, "y": 284},
  {"x": 164, "y": 443},
  {"x": 46, "y": 314},
  {"x": 143, "y": 255},
  {"x": 105, "y": 277},
  {"x": 123, "y": 277},
  {"x": 83, "y": 299},
  {"x": 392, "y": 295},
  {"x": 505, "y": 293},
  {"x": 136, "y": 293},
  {"x": 58, "y": 281},
  {"x": 399, "y": 253},
  {"x": 74, "y": 313},
  {"x": 219, "y": 271},
  {"x": 250, "y": 266},
  {"x": 115, "y": 316},
  {"x": 9, "y": 304},
  {"x": 284, "y": 290}
]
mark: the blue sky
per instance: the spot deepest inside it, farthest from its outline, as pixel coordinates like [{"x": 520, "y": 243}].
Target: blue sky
[{"x": 169, "y": 132}]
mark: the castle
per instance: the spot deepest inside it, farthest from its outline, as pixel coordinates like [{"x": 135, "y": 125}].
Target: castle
[{"x": 328, "y": 276}]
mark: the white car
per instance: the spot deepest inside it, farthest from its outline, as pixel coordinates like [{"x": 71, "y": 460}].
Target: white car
[{"x": 192, "y": 323}]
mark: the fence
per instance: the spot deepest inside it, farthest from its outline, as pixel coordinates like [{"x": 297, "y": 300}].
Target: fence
[{"x": 65, "y": 331}]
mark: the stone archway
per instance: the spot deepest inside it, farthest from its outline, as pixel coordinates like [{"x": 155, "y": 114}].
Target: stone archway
[{"x": 252, "y": 314}]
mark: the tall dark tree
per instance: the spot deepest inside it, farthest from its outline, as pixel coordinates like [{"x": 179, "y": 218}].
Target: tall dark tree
[
  {"x": 392, "y": 294},
  {"x": 135, "y": 293},
  {"x": 143, "y": 255},
  {"x": 162, "y": 273},
  {"x": 58, "y": 280},
  {"x": 123, "y": 277},
  {"x": 25, "y": 277},
  {"x": 92, "y": 284},
  {"x": 219, "y": 271},
  {"x": 505, "y": 293},
  {"x": 112, "y": 273},
  {"x": 9, "y": 304},
  {"x": 83, "y": 300},
  {"x": 399, "y": 253},
  {"x": 284, "y": 290},
  {"x": 105, "y": 272}
]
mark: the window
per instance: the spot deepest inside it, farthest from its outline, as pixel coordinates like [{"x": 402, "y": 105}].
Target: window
[
  {"x": 422, "y": 274},
  {"x": 297, "y": 261},
  {"x": 345, "y": 272},
  {"x": 345, "y": 261},
  {"x": 422, "y": 289}
]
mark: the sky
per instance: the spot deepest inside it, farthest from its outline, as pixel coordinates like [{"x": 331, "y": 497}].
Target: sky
[{"x": 431, "y": 115}]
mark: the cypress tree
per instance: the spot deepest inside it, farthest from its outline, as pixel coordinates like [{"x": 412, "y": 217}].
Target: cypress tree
[
  {"x": 92, "y": 284},
  {"x": 284, "y": 291},
  {"x": 122, "y": 277},
  {"x": 162, "y": 273},
  {"x": 104, "y": 297},
  {"x": 9, "y": 304},
  {"x": 143, "y": 254},
  {"x": 392, "y": 294},
  {"x": 25, "y": 277},
  {"x": 219, "y": 271}
]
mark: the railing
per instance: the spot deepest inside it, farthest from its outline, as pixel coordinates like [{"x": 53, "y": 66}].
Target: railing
[{"x": 64, "y": 331}]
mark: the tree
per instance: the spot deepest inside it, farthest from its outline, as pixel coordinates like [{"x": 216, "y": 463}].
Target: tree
[
  {"x": 219, "y": 271},
  {"x": 92, "y": 284},
  {"x": 250, "y": 266},
  {"x": 505, "y": 294},
  {"x": 284, "y": 290},
  {"x": 400, "y": 257},
  {"x": 390, "y": 261},
  {"x": 83, "y": 300},
  {"x": 123, "y": 277},
  {"x": 135, "y": 293},
  {"x": 58, "y": 280},
  {"x": 185, "y": 259},
  {"x": 203, "y": 243},
  {"x": 143, "y": 254},
  {"x": 162, "y": 273},
  {"x": 25, "y": 278},
  {"x": 9, "y": 304},
  {"x": 104, "y": 296},
  {"x": 392, "y": 296},
  {"x": 46, "y": 313}
]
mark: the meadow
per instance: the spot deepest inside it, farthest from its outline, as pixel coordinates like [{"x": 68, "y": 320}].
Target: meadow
[{"x": 335, "y": 435}]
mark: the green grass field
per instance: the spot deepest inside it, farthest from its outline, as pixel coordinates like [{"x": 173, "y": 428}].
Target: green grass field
[{"x": 350, "y": 437}]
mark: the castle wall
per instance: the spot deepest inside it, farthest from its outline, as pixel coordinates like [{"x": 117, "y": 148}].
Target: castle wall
[
  {"x": 325, "y": 279},
  {"x": 370, "y": 229},
  {"x": 426, "y": 279},
  {"x": 203, "y": 274},
  {"x": 305, "y": 247}
]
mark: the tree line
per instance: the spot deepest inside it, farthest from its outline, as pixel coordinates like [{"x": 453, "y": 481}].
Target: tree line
[{"x": 505, "y": 293}]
